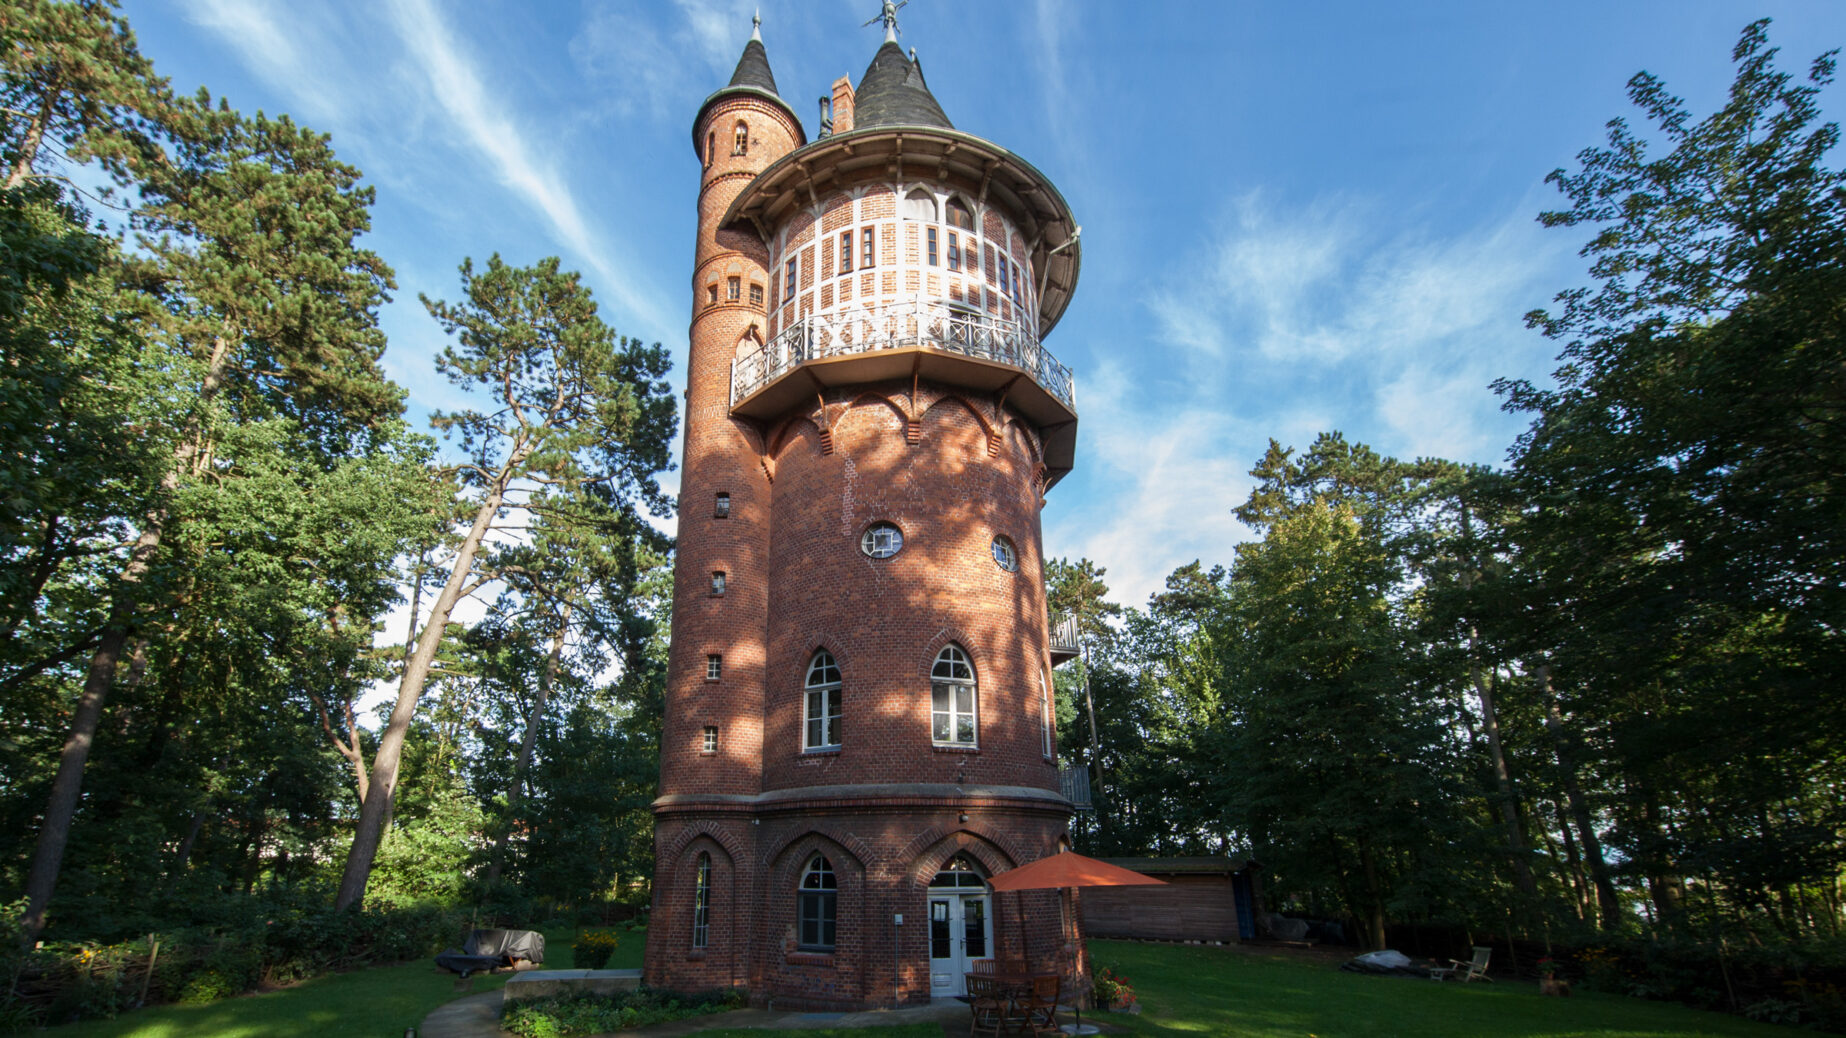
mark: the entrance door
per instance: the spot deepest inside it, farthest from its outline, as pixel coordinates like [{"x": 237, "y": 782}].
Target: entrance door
[{"x": 959, "y": 933}]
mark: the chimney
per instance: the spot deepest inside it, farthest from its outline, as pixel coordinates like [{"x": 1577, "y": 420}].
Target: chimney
[{"x": 842, "y": 105}]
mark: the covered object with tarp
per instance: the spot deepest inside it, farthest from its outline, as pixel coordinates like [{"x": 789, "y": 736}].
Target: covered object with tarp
[{"x": 494, "y": 949}]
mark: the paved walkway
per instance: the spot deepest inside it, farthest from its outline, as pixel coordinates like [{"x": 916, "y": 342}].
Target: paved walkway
[{"x": 478, "y": 1016}]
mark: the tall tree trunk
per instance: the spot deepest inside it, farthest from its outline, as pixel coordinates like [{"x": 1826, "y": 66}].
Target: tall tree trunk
[
  {"x": 185, "y": 846},
  {"x": 1609, "y": 905},
  {"x": 383, "y": 785},
  {"x": 1579, "y": 883},
  {"x": 35, "y": 135},
  {"x": 1514, "y": 831},
  {"x": 1374, "y": 895},
  {"x": 516, "y": 791},
  {"x": 67, "y": 785}
]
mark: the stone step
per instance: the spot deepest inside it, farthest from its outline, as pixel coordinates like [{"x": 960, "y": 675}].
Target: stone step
[{"x": 550, "y": 983}]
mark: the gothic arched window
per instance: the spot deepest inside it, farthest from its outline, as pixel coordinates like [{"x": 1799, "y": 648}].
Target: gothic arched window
[
  {"x": 820, "y": 729},
  {"x": 960, "y": 215},
  {"x": 817, "y": 905},
  {"x": 701, "y": 902},
  {"x": 952, "y": 698},
  {"x": 919, "y": 205}
]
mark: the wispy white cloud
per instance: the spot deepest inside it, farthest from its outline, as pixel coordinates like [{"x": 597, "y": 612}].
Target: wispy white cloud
[
  {"x": 622, "y": 44},
  {"x": 254, "y": 29},
  {"x": 457, "y": 87},
  {"x": 1288, "y": 323}
]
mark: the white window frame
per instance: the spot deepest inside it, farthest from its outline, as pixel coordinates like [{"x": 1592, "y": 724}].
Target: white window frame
[
  {"x": 708, "y": 739},
  {"x": 714, "y": 666},
  {"x": 955, "y": 700},
  {"x": 820, "y": 704}
]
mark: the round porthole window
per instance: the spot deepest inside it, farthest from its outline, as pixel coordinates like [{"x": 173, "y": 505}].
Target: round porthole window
[
  {"x": 1004, "y": 555},
  {"x": 881, "y": 540}
]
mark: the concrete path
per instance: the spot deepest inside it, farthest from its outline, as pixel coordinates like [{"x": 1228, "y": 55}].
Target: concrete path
[{"x": 478, "y": 1016}]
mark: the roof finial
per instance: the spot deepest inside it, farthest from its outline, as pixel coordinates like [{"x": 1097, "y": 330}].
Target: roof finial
[
  {"x": 756, "y": 26},
  {"x": 889, "y": 17}
]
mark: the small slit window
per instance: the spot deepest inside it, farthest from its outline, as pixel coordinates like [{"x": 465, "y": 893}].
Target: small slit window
[
  {"x": 845, "y": 252},
  {"x": 868, "y": 256},
  {"x": 881, "y": 540},
  {"x": 721, "y": 507},
  {"x": 701, "y": 896},
  {"x": 929, "y": 236},
  {"x": 740, "y": 140},
  {"x": 714, "y": 666},
  {"x": 717, "y": 582},
  {"x": 788, "y": 281},
  {"x": 709, "y": 739},
  {"x": 733, "y": 288},
  {"x": 954, "y": 251}
]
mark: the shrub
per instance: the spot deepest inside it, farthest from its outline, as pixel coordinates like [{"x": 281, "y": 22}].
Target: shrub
[
  {"x": 590, "y": 1014},
  {"x": 592, "y": 948}
]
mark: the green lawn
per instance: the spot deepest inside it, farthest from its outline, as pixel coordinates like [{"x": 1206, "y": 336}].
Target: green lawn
[
  {"x": 1187, "y": 990},
  {"x": 380, "y": 1001}
]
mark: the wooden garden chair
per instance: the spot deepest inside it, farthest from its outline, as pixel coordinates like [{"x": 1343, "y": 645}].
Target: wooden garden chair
[
  {"x": 987, "y": 1004},
  {"x": 1475, "y": 969}
]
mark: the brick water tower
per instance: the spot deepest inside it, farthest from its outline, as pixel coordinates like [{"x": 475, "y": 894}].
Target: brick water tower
[{"x": 858, "y": 722}]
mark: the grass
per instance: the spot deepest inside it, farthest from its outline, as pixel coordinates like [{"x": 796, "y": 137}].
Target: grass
[
  {"x": 1185, "y": 992},
  {"x": 379, "y": 1001},
  {"x": 1189, "y": 991}
]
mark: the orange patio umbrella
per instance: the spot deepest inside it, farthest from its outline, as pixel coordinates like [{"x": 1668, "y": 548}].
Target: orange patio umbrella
[
  {"x": 1070, "y": 869},
  {"x": 1063, "y": 872}
]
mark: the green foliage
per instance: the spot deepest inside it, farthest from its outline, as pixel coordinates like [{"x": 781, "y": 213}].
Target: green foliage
[
  {"x": 592, "y": 948},
  {"x": 562, "y": 1017}
]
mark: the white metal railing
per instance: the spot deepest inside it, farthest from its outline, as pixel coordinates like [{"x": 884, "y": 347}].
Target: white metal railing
[{"x": 895, "y": 325}]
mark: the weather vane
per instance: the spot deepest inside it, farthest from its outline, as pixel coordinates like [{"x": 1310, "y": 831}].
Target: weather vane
[{"x": 889, "y": 17}]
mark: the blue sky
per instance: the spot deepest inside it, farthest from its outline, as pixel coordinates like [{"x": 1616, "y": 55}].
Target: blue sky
[{"x": 1296, "y": 217}]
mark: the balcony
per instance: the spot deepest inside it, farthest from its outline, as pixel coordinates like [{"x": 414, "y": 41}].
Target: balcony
[{"x": 898, "y": 341}]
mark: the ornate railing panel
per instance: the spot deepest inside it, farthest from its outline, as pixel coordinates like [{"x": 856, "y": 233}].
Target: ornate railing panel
[{"x": 894, "y": 326}]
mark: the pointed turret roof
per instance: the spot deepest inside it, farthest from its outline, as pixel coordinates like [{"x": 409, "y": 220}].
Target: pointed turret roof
[
  {"x": 752, "y": 76},
  {"x": 753, "y": 66},
  {"x": 893, "y": 93}
]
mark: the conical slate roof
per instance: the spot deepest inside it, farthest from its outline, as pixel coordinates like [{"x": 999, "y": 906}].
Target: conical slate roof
[
  {"x": 753, "y": 68},
  {"x": 893, "y": 93}
]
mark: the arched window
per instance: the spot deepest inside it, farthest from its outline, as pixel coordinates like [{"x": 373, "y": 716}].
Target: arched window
[
  {"x": 711, "y": 146},
  {"x": 958, "y": 873},
  {"x": 816, "y": 905},
  {"x": 920, "y": 206},
  {"x": 960, "y": 215},
  {"x": 701, "y": 903},
  {"x": 740, "y": 140},
  {"x": 952, "y": 698},
  {"x": 821, "y": 711}
]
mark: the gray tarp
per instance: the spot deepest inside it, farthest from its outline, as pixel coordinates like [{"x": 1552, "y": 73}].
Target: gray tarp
[{"x": 493, "y": 949}]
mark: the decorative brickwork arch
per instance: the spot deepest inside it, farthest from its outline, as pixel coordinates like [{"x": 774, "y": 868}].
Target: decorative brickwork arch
[
  {"x": 969, "y": 643},
  {"x": 925, "y": 855},
  {"x": 947, "y": 399},
  {"x": 859, "y": 407},
  {"x": 790, "y": 431},
  {"x": 709, "y": 830}
]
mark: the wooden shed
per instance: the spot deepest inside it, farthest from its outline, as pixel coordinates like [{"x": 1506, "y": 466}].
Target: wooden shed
[{"x": 1205, "y": 899}]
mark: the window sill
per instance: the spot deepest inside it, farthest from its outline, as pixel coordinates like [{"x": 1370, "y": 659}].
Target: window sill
[
  {"x": 822, "y": 751},
  {"x": 695, "y": 955},
  {"x": 951, "y": 747},
  {"x": 810, "y": 958}
]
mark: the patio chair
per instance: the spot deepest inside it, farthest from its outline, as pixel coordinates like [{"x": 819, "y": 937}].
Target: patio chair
[
  {"x": 1475, "y": 969},
  {"x": 1041, "y": 1005},
  {"x": 987, "y": 1004}
]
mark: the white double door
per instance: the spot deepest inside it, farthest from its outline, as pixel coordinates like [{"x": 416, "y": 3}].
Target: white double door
[{"x": 960, "y": 932}]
